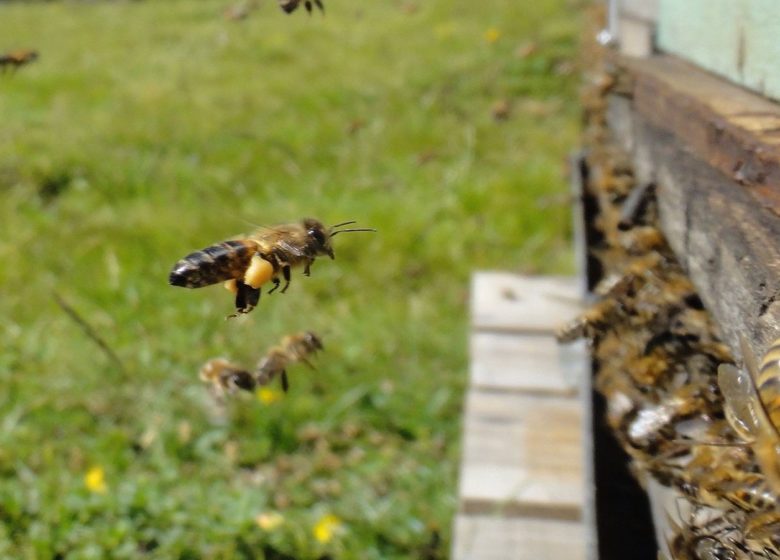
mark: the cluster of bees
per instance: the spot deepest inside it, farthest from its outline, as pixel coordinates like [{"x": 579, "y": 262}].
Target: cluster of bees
[
  {"x": 686, "y": 415},
  {"x": 245, "y": 265}
]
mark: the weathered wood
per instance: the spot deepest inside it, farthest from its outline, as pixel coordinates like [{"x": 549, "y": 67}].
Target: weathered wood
[
  {"x": 735, "y": 38},
  {"x": 502, "y": 301},
  {"x": 525, "y": 363},
  {"x": 723, "y": 226},
  {"x": 521, "y": 456},
  {"x": 733, "y": 130},
  {"x": 486, "y": 537}
]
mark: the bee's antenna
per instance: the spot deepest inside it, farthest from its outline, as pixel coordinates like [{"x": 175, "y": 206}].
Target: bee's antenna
[
  {"x": 343, "y": 224},
  {"x": 348, "y": 230}
]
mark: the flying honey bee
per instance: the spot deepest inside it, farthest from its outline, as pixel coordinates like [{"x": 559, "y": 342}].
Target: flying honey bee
[
  {"x": 247, "y": 264},
  {"x": 289, "y": 6},
  {"x": 226, "y": 377},
  {"x": 293, "y": 348},
  {"x": 15, "y": 59},
  {"x": 753, "y": 406}
]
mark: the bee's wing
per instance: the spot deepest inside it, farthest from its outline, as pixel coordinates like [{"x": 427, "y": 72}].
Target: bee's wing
[
  {"x": 290, "y": 248},
  {"x": 743, "y": 407},
  {"x": 748, "y": 358}
]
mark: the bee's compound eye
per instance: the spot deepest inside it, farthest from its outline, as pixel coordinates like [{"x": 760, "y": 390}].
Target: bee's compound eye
[{"x": 318, "y": 235}]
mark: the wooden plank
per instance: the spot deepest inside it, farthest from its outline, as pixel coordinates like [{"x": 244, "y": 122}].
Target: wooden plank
[
  {"x": 503, "y": 301},
  {"x": 744, "y": 49},
  {"x": 487, "y": 537},
  {"x": 527, "y": 363},
  {"x": 635, "y": 36},
  {"x": 727, "y": 243},
  {"x": 522, "y": 456},
  {"x": 733, "y": 130}
]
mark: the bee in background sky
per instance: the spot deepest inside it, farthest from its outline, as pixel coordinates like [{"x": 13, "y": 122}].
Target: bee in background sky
[
  {"x": 225, "y": 377},
  {"x": 15, "y": 59},
  {"x": 293, "y": 348},
  {"x": 246, "y": 264},
  {"x": 753, "y": 406},
  {"x": 289, "y": 6}
]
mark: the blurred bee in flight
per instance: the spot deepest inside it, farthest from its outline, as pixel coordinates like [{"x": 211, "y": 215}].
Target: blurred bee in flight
[
  {"x": 15, "y": 59},
  {"x": 225, "y": 377},
  {"x": 246, "y": 264},
  {"x": 293, "y": 349},
  {"x": 289, "y": 6}
]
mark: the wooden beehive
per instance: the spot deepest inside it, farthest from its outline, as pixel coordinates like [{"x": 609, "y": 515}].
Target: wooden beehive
[{"x": 707, "y": 152}]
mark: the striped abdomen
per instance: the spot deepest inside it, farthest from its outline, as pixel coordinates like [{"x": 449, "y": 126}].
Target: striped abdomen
[
  {"x": 750, "y": 493},
  {"x": 224, "y": 261},
  {"x": 768, "y": 382}
]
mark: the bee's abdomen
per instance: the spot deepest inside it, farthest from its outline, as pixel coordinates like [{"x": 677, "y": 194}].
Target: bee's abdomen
[
  {"x": 217, "y": 263},
  {"x": 768, "y": 382}
]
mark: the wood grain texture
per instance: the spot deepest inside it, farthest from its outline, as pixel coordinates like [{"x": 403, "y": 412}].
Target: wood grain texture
[
  {"x": 486, "y": 537},
  {"x": 734, "y": 38},
  {"x": 503, "y": 301},
  {"x": 723, "y": 235},
  {"x": 735, "y": 131},
  {"x": 525, "y": 363},
  {"x": 522, "y": 455}
]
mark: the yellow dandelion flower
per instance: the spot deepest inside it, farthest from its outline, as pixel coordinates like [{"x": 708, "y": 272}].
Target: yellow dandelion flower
[
  {"x": 327, "y": 526},
  {"x": 492, "y": 35},
  {"x": 95, "y": 480},
  {"x": 268, "y": 396},
  {"x": 269, "y": 521}
]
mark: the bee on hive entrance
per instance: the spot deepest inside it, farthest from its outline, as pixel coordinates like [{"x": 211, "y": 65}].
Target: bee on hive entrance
[
  {"x": 753, "y": 406},
  {"x": 246, "y": 264},
  {"x": 289, "y": 6},
  {"x": 15, "y": 59}
]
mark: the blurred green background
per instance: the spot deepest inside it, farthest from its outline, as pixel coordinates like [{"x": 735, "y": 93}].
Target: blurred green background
[{"x": 147, "y": 130}]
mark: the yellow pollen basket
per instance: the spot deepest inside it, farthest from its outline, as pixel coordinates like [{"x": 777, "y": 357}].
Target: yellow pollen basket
[{"x": 259, "y": 272}]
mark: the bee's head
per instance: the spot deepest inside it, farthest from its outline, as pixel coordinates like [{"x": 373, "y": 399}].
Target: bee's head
[
  {"x": 312, "y": 341},
  {"x": 319, "y": 237}
]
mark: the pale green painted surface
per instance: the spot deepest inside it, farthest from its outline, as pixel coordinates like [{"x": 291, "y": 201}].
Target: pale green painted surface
[
  {"x": 762, "y": 63},
  {"x": 739, "y": 39}
]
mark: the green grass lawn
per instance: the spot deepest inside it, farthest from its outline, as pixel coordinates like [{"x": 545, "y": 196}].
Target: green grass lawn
[{"x": 147, "y": 130}]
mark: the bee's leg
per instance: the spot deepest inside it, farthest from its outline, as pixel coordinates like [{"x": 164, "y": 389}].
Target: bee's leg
[
  {"x": 286, "y": 274},
  {"x": 307, "y": 3},
  {"x": 319, "y": 4},
  {"x": 276, "y": 282},
  {"x": 285, "y": 381},
  {"x": 307, "y": 269},
  {"x": 246, "y": 298}
]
